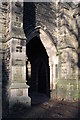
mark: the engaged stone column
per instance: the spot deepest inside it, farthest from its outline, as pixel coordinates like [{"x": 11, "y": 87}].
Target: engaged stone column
[
  {"x": 18, "y": 86},
  {"x": 18, "y": 92},
  {"x": 51, "y": 77}
]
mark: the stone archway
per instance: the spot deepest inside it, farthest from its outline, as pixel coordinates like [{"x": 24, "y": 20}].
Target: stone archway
[{"x": 50, "y": 51}]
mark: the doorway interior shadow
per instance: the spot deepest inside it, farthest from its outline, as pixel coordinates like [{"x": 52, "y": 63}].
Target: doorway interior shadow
[{"x": 39, "y": 78}]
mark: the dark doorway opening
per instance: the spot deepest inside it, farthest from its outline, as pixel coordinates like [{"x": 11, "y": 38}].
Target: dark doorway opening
[
  {"x": 42, "y": 79},
  {"x": 39, "y": 81}
]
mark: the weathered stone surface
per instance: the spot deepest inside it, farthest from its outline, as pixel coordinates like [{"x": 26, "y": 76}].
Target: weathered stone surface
[
  {"x": 57, "y": 25},
  {"x": 57, "y": 19},
  {"x": 14, "y": 62}
]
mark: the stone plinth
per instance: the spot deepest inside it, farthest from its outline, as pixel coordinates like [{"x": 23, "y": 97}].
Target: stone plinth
[{"x": 19, "y": 95}]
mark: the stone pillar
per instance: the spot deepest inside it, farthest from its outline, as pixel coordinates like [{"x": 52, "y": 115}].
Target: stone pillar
[
  {"x": 18, "y": 86},
  {"x": 54, "y": 76},
  {"x": 51, "y": 78},
  {"x": 18, "y": 89}
]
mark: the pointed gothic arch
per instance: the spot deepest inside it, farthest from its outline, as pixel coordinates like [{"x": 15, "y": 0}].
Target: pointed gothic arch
[{"x": 51, "y": 51}]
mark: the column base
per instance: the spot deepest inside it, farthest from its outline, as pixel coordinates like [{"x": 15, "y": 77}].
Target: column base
[
  {"x": 20, "y": 100},
  {"x": 19, "y": 95},
  {"x": 53, "y": 94}
]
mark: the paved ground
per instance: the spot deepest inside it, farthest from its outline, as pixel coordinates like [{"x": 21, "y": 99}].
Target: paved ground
[{"x": 45, "y": 108}]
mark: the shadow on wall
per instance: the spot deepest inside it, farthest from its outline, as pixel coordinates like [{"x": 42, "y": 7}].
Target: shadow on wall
[
  {"x": 5, "y": 81},
  {"x": 28, "y": 16},
  {"x": 70, "y": 28}
]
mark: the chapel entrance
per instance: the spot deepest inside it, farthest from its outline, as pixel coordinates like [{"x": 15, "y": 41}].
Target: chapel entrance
[{"x": 37, "y": 64}]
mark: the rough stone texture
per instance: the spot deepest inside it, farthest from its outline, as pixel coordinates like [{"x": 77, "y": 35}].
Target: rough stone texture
[
  {"x": 61, "y": 22},
  {"x": 14, "y": 57},
  {"x": 58, "y": 27}
]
